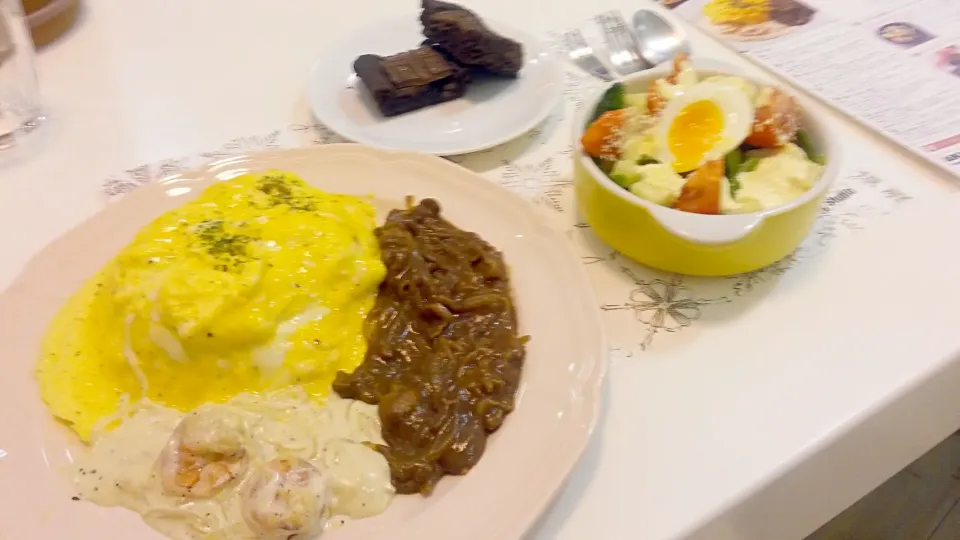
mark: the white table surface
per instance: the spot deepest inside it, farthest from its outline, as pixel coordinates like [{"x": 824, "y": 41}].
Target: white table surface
[{"x": 757, "y": 438}]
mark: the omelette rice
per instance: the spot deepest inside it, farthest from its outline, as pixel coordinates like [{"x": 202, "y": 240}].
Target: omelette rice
[{"x": 260, "y": 283}]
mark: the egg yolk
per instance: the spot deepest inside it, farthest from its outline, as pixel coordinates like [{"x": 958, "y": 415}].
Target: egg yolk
[{"x": 693, "y": 133}]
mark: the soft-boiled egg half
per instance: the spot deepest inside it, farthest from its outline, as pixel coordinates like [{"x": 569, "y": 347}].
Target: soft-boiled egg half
[{"x": 703, "y": 124}]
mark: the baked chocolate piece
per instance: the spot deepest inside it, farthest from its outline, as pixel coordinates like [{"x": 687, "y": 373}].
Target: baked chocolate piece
[
  {"x": 791, "y": 12},
  {"x": 411, "y": 80},
  {"x": 464, "y": 36}
]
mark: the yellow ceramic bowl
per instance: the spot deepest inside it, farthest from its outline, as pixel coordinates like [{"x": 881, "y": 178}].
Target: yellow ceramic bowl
[{"x": 688, "y": 243}]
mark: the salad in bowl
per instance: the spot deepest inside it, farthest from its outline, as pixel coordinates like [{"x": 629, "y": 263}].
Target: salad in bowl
[
  {"x": 700, "y": 171},
  {"x": 709, "y": 145}
]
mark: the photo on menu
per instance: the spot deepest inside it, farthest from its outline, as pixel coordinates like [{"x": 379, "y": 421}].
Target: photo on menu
[
  {"x": 745, "y": 20},
  {"x": 904, "y": 34},
  {"x": 948, "y": 59}
]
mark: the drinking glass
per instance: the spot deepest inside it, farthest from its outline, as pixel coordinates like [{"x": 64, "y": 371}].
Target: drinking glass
[{"x": 20, "y": 109}]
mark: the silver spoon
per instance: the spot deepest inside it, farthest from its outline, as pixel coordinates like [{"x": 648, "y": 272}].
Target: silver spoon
[{"x": 658, "y": 40}]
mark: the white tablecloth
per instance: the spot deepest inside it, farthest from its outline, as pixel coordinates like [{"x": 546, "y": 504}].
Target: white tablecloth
[{"x": 750, "y": 407}]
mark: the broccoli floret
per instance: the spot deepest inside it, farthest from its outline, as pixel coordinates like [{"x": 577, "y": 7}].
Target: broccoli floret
[
  {"x": 647, "y": 160},
  {"x": 625, "y": 173},
  {"x": 734, "y": 186},
  {"x": 612, "y": 100},
  {"x": 805, "y": 144},
  {"x": 733, "y": 161}
]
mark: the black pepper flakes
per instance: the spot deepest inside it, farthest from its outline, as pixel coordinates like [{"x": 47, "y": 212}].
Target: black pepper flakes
[
  {"x": 229, "y": 248},
  {"x": 282, "y": 192}
]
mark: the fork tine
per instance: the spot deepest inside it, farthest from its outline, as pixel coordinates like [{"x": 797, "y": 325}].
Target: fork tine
[
  {"x": 574, "y": 38},
  {"x": 581, "y": 53},
  {"x": 611, "y": 20},
  {"x": 623, "y": 47}
]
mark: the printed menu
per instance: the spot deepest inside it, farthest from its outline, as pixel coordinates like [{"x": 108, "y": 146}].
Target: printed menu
[{"x": 892, "y": 64}]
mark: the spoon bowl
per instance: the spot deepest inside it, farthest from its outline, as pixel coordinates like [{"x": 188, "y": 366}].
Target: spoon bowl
[{"x": 658, "y": 40}]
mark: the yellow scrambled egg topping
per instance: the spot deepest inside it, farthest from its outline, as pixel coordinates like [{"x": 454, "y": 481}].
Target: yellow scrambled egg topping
[{"x": 261, "y": 282}]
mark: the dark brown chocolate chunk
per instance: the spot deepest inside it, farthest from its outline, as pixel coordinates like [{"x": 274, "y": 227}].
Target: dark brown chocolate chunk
[
  {"x": 411, "y": 80},
  {"x": 462, "y": 34}
]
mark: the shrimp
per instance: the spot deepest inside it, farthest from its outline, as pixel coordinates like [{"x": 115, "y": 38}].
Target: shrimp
[
  {"x": 655, "y": 100},
  {"x": 286, "y": 499},
  {"x": 602, "y": 138},
  {"x": 204, "y": 454},
  {"x": 701, "y": 192},
  {"x": 680, "y": 61},
  {"x": 777, "y": 119}
]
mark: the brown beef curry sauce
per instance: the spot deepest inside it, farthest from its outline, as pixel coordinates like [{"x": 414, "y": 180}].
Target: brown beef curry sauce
[{"x": 444, "y": 357}]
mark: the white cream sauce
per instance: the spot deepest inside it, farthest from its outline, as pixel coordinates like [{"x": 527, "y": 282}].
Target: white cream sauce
[{"x": 293, "y": 468}]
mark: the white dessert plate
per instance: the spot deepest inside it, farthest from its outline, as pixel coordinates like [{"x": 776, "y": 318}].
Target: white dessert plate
[
  {"x": 494, "y": 110},
  {"x": 525, "y": 462}
]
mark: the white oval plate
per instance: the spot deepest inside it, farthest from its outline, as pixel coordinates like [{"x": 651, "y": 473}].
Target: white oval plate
[
  {"x": 494, "y": 110},
  {"x": 526, "y": 460}
]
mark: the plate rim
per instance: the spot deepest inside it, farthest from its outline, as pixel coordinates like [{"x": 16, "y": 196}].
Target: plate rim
[
  {"x": 575, "y": 440},
  {"x": 548, "y": 107}
]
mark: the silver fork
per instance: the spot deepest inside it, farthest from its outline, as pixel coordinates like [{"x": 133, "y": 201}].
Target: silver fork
[
  {"x": 621, "y": 43},
  {"x": 581, "y": 53}
]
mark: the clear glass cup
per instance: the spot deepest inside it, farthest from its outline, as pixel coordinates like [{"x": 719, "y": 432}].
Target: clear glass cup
[{"x": 20, "y": 107}]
